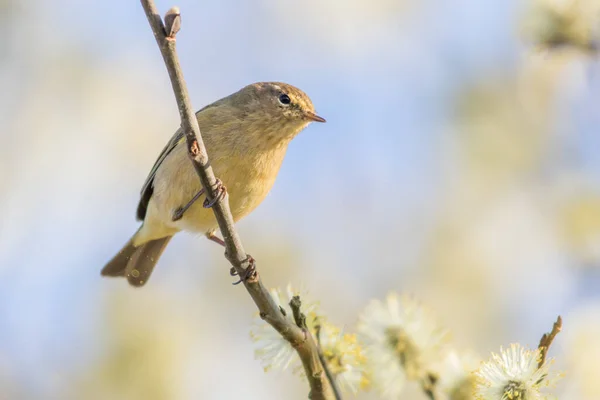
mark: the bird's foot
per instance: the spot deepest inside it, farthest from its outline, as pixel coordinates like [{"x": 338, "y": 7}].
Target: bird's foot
[
  {"x": 249, "y": 273},
  {"x": 221, "y": 192}
]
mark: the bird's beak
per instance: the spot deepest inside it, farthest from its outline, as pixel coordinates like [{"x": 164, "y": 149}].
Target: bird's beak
[{"x": 314, "y": 117}]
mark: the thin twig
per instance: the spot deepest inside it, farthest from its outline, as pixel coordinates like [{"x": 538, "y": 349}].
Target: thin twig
[
  {"x": 330, "y": 376},
  {"x": 547, "y": 340},
  {"x": 302, "y": 341}
]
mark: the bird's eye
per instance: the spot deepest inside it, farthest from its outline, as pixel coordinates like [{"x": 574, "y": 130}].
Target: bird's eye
[{"x": 284, "y": 99}]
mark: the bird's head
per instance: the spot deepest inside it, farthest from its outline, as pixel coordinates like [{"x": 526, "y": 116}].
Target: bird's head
[{"x": 273, "y": 111}]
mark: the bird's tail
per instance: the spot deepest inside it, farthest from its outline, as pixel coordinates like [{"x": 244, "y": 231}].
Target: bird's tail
[{"x": 136, "y": 263}]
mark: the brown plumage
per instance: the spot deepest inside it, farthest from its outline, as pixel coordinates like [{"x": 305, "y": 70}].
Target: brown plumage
[{"x": 246, "y": 136}]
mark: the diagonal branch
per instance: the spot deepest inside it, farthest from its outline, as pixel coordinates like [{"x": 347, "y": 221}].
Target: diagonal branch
[{"x": 301, "y": 340}]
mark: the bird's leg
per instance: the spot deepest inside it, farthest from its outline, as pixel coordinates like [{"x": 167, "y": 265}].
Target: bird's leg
[
  {"x": 178, "y": 214},
  {"x": 212, "y": 237},
  {"x": 221, "y": 193}
]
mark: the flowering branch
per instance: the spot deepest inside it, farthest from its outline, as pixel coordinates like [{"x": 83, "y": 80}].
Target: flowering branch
[
  {"x": 299, "y": 338},
  {"x": 517, "y": 373},
  {"x": 547, "y": 340}
]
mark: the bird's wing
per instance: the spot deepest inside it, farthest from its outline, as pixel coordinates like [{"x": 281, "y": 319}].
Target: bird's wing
[{"x": 148, "y": 187}]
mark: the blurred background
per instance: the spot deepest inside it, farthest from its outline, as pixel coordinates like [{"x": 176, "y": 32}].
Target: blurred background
[{"x": 460, "y": 163}]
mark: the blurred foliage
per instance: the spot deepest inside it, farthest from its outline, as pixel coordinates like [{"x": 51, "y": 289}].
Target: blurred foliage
[
  {"x": 571, "y": 23},
  {"x": 579, "y": 218},
  {"x": 142, "y": 358},
  {"x": 582, "y": 353}
]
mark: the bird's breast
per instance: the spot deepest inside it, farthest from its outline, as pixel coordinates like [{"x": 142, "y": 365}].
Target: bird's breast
[{"x": 248, "y": 179}]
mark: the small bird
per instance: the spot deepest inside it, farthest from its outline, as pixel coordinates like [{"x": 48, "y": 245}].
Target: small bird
[{"x": 246, "y": 135}]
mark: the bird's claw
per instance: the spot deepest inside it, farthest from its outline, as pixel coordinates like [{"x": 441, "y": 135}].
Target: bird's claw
[
  {"x": 249, "y": 273},
  {"x": 221, "y": 192},
  {"x": 178, "y": 214}
]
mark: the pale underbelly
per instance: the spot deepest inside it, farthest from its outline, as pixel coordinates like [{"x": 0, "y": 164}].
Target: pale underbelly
[{"x": 242, "y": 201}]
